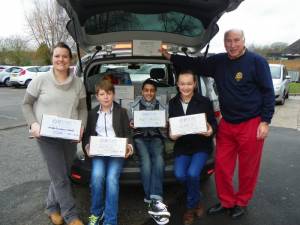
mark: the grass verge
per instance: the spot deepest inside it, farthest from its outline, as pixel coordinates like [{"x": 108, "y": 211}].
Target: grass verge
[{"x": 294, "y": 88}]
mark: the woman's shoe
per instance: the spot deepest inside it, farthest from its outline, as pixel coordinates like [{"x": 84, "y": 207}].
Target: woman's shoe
[
  {"x": 56, "y": 218},
  {"x": 188, "y": 217},
  {"x": 76, "y": 222},
  {"x": 199, "y": 210}
]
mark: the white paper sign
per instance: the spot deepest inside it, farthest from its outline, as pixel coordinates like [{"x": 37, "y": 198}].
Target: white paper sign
[
  {"x": 154, "y": 118},
  {"x": 190, "y": 124},
  {"x": 58, "y": 127},
  {"x": 146, "y": 48},
  {"x": 124, "y": 92},
  {"x": 108, "y": 146}
]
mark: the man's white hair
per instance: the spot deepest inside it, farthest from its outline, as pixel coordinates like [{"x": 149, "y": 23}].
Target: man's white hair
[{"x": 235, "y": 31}]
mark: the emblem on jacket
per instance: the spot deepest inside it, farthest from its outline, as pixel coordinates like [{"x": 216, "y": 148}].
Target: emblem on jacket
[{"x": 238, "y": 76}]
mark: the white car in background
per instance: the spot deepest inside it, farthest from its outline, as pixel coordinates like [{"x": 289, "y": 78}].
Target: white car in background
[
  {"x": 44, "y": 69},
  {"x": 2, "y": 67},
  {"x": 281, "y": 81},
  {"x": 5, "y": 74},
  {"x": 23, "y": 76}
]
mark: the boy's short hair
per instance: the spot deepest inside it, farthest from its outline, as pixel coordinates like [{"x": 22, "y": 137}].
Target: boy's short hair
[
  {"x": 150, "y": 81},
  {"x": 106, "y": 85}
]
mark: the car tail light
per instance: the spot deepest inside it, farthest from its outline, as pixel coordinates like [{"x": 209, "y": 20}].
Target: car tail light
[
  {"x": 217, "y": 114},
  {"x": 210, "y": 171},
  {"x": 76, "y": 176},
  {"x": 22, "y": 72},
  {"x": 124, "y": 45}
]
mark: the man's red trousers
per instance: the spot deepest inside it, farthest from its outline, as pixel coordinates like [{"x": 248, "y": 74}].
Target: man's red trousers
[{"x": 237, "y": 142}]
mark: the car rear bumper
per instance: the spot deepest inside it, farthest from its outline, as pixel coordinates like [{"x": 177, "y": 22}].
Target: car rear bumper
[{"x": 81, "y": 170}]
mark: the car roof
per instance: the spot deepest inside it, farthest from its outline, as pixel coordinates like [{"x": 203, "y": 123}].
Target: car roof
[{"x": 87, "y": 28}]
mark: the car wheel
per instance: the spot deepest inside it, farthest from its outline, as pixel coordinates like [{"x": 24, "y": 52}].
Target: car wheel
[
  {"x": 282, "y": 100},
  {"x": 27, "y": 83},
  {"x": 6, "y": 82},
  {"x": 287, "y": 95}
]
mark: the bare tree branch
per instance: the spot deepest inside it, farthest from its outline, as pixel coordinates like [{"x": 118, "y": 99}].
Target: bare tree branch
[{"x": 46, "y": 23}]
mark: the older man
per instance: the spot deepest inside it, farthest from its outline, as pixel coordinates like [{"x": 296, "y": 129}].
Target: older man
[{"x": 247, "y": 100}]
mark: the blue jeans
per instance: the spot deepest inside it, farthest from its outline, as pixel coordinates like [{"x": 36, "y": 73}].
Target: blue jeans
[
  {"x": 105, "y": 183},
  {"x": 187, "y": 170},
  {"x": 150, "y": 150}
]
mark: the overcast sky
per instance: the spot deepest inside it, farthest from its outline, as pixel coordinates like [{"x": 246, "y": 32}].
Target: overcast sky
[{"x": 264, "y": 21}]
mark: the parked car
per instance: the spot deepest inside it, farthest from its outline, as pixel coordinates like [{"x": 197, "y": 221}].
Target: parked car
[
  {"x": 122, "y": 39},
  {"x": 23, "y": 76},
  {"x": 2, "y": 67},
  {"x": 44, "y": 69},
  {"x": 5, "y": 74},
  {"x": 281, "y": 81}
]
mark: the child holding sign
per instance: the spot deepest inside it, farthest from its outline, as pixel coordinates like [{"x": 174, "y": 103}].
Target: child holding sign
[
  {"x": 191, "y": 150},
  {"x": 108, "y": 119},
  {"x": 150, "y": 146}
]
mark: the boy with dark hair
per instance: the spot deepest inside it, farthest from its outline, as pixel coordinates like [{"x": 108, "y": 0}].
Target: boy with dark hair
[{"x": 150, "y": 147}]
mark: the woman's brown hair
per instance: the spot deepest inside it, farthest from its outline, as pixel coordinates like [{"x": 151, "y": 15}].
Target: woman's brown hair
[{"x": 63, "y": 45}]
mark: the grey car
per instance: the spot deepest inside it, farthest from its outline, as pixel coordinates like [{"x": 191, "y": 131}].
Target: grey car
[
  {"x": 123, "y": 37},
  {"x": 281, "y": 81}
]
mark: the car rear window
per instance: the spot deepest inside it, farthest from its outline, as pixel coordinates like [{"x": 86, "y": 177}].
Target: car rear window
[
  {"x": 171, "y": 22},
  {"x": 137, "y": 73}
]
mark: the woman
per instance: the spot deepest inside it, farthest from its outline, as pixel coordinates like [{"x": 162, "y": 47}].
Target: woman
[
  {"x": 61, "y": 94},
  {"x": 107, "y": 119},
  {"x": 191, "y": 150}
]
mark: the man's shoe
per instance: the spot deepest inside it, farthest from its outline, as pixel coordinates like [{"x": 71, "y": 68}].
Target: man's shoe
[
  {"x": 199, "y": 210},
  {"x": 188, "y": 217},
  {"x": 158, "y": 208},
  {"x": 76, "y": 222},
  {"x": 217, "y": 209},
  {"x": 56, "y": 218},
  {"x": 237, "y": 211}
]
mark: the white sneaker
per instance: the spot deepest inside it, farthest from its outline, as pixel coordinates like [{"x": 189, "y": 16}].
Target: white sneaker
[{"x": 158, "y": 208}]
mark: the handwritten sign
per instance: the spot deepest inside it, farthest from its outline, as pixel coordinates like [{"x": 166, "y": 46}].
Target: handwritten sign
[
  {"x": 190, "y": 124},
  {"x": 58, "y": 127},
  {"x": 108, "y": 146},
  {"x": 146, "y": 48},
  {"x": 124, "y": 92},
  {"x": 154, "y": 118}
]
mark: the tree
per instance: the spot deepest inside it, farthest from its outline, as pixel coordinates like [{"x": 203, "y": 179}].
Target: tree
[
  {"x": 275, "y": 49},
  {"x": 43, "y": 55},
  {"x": 13, "y": 50},
  {"x": 46, "y": 23}
]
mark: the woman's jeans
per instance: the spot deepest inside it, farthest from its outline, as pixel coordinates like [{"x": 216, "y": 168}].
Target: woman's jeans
[
  {"x": 105, "y": 187},
  {"x": 187, "y": 170},
  {"x": 150, "y": 150}
]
